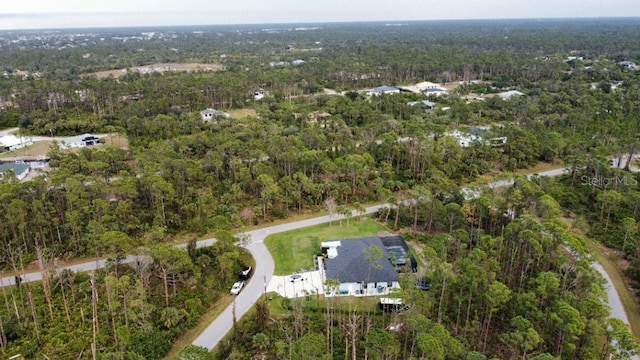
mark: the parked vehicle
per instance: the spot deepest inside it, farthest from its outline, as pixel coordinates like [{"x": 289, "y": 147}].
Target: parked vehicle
[
  {"x": 295, "y": 277},
  {"x": 237, "y": 287},
  {"x": 246, "y": 274}
]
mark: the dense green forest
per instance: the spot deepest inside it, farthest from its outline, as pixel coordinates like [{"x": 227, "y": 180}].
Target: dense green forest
[
  {"x": 301, "y": 145},
  {"x": 504, "y": 287},
  {"x": 125, "y": 311}
]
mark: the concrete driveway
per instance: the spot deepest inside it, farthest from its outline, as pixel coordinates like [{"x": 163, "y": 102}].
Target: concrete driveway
[{"x": 310, "y": 282}]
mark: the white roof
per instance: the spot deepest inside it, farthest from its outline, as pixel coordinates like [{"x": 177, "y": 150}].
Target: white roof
[
  {"x": 436, "y": 89},
  {"x": 332, "y": 248},
  {"x": 12, "y": 140},
  {"x": 328, "y": 244},
  {"x": 508, "y": 94}
]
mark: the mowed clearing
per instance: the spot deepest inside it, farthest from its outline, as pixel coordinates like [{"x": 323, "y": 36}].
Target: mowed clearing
[
  {"x": 160, "y": 68},
  {"x": 41, "y": 148},
  {"x": 294, "y": 250}
]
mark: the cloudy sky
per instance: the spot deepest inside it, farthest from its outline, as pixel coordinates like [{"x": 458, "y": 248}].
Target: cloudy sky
[{"x": 38, "y": 14}]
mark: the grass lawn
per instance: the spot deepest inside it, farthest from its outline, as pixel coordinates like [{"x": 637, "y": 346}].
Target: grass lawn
[
  {"x": 294, "y": 250},
  {"x": 38, "y": 148},
  {"x": 611, "y": 265}
]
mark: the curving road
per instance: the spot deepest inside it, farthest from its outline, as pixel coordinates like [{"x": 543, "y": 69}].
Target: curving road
[{"x": 264, "y": 268}]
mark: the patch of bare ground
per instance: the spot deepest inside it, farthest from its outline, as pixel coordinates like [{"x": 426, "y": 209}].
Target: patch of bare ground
[
  {"x": 116, "y": 140},
  {"x": 241, "y": 113},
  {"x": 159, "y": 68}
]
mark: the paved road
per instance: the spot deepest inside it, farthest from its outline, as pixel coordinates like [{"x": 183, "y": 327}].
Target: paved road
[
  {"x": 617, "y": 309},
  {"x": 264, "y": 269},
  {"x": 263, "y": 273}
]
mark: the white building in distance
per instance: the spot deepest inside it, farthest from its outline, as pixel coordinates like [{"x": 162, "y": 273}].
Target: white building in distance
[{"x": 12, "y": 142}]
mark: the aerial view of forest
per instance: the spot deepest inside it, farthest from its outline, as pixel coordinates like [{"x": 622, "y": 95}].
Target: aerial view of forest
[{"x": 170, "y": 159}]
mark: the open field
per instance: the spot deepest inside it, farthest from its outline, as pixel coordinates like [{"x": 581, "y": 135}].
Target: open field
[
  {"x": 240, "y": 113},
  {"x": 161, "y": 68},
  {"x": 294, "y": 250}
]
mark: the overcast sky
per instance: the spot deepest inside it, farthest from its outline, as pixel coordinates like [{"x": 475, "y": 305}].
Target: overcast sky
[{"x": 38, "y": 14}]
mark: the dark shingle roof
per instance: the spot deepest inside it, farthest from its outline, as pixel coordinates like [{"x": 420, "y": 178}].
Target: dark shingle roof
[
  {"x": 352, "y": 263},
  {"x": 16, "y": 168},
  {"x": 384, "y": 89}
]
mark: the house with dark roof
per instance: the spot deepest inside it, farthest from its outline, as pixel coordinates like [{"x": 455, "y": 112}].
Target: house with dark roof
[
  {"x": 19, "y": 170},
  {"x": 425, "y": 104},
  {"x": 361, "y": 267},
  {"x": 380, "y": 90}
]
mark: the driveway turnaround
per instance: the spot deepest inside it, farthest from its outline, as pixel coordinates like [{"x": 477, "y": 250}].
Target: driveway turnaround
[
  {"x": 309, "y": 283},
  {"x": 262, "y": 277}
]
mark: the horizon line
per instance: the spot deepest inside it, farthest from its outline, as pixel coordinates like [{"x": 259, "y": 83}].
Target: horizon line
[{"x": 383, "y": 21}]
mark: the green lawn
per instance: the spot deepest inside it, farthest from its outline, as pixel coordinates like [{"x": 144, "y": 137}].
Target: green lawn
[{"x": 294, "y": 250}]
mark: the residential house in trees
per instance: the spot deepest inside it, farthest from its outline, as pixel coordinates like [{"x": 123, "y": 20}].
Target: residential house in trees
[
  {"x": 211, "y": 114},
  {"x": 257, "y": 93},
  {"x": 628, "y": 64},
  {"x": 13, "y": 142},
  {"x": 435, "y": 91},
  {"x": 19, "y": 170},
  {"x": 509, "y": 94},
  {"x": 364, "y": 266},
  {"x": 380, "y": 90},
  {"x": 425, "y": 104}
]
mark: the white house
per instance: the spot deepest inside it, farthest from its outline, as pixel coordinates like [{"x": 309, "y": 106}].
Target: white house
[
  {"x": 509, "y": 94},
  {"x": 464, "y": 139},
  {"x": 257, "y": 93},
  {"x": 628, "y": 64},
  {"x": 361, "y": 267},
  {"x": 383, "y": 90},
  {"x": 210, "y": 114},
  {"x": 435, "y": 91},
  {"x": 12, "y": 142}
]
